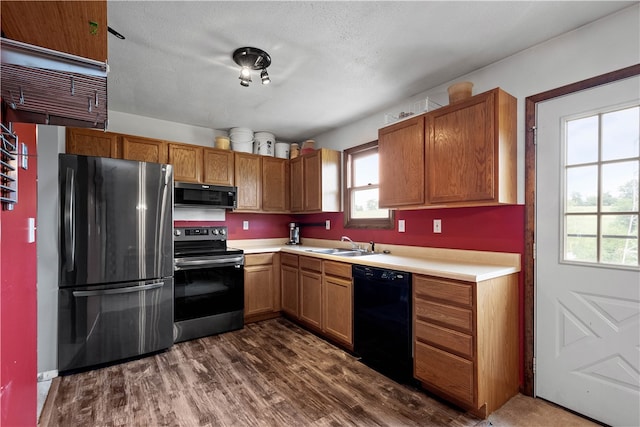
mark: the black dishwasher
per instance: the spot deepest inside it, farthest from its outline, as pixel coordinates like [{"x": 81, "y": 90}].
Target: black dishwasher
[{"x": 382, "y": 321}]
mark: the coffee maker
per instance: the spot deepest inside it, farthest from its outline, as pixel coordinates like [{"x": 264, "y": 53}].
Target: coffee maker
[{"x": 294, "y": 234}]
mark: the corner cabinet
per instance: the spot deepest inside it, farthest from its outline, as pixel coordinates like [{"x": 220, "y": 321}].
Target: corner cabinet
[
  {"x": 466, "y": 340},
  {"x": 463, "y": 154},
  {"x": 315, "y": 182}
]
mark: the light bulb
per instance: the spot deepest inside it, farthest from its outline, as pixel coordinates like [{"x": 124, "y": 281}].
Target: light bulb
[{"x": 265, "y": 77}]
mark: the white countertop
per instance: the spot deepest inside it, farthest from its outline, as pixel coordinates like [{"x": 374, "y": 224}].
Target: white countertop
[{"x": 470, "y": 266}]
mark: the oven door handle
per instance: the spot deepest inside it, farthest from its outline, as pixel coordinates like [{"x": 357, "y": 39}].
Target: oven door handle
[
  {"x": 206, "y": 263},
  {"x": 126, "y": 290}
]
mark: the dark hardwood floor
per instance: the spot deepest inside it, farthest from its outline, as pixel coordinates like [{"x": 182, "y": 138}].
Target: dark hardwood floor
[{"x": 271, "y": 373}]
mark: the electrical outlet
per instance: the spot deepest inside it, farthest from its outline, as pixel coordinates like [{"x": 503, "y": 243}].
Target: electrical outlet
[
  {"x": 437, "y": 226},
  {"x": 245, "y": 225},
  {"x": 401, "y": 225},
  {"x": 327, "y": 224}
]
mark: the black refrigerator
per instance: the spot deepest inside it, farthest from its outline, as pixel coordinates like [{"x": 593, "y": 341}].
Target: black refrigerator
[{"x": 115, "y": 297}]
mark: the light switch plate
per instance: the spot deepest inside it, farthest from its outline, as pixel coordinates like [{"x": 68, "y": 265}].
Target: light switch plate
[
  {"x": 327, "y": 224},
  {"x": 437, "y": 226},
  {"x": 245, "y": 225},
  {"x": 401, "y": 225}
]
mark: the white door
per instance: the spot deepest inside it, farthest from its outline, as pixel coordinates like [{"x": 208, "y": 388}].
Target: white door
[{"x": 586, "y": 269}]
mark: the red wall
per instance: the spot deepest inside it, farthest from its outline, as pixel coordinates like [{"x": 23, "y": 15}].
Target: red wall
[
  {"x": 261, "y": 226},
  {"x": 18, "y": 300}
]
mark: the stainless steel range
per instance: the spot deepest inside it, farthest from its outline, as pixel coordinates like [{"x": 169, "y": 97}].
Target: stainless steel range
[{"x": 209, "y": 283}]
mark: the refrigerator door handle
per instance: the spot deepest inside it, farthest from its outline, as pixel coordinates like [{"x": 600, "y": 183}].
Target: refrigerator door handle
[
  {"x": 69, "y": 223},
  {"x": 126, "y": 290}
]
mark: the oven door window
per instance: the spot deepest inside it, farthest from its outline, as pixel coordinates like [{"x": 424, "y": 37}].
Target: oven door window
[{"x": 208, "y": 291}]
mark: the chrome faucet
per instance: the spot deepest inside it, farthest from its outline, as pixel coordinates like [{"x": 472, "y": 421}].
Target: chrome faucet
[{"x": 354, "y": 246}]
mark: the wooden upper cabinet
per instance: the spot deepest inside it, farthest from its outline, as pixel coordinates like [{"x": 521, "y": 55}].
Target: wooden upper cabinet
[
  {"x": 297, "y": 184},
  {"x": 275, "y": 184},
  {"x": 218, "y": 167},
  {"x": 144, "y": 149},
  {"x": 186, "y": 161},
  {"x": 463, "y": 154},
  {"x": 471, "y": 150},
  {"x": 401, "y": 149},
  {"x": 247, "y": 178},
  {"x": 91, "y": 142},
  {"x": 75, "y": 27},
  {"x": 315, "y": 182}
]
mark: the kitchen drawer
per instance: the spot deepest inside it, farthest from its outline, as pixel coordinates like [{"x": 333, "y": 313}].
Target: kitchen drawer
[
  {"x": 289, "y": 259},
  {"x": 309, "y": 263},
  {"x": 443, "y": 290},
  {"x": 446, "y": 315},
  {"x": 258, "y": 259},
  {"x": 447, "y": 339},
  {"x": 337, "y": 269},
  {"x": 447, "y": 372}
]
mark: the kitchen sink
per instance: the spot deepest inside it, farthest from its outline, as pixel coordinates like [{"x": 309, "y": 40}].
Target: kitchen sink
[{"x": 341, "y": 252}]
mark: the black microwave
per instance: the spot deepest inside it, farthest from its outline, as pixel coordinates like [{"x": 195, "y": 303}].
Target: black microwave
[{"x": 203, "y": 195}]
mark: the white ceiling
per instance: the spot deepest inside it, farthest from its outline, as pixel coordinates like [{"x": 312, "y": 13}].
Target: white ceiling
[{"x": 332, "y": 62}]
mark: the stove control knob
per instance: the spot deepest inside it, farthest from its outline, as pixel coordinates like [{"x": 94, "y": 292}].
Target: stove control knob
[
  {"x": 222, "y": 232},
  {"x": 215, "y": 231},
  {"x": 177, "y": 232}
]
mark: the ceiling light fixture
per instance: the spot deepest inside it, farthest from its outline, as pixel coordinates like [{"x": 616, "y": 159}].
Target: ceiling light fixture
[{"x": 252, "y": 58}]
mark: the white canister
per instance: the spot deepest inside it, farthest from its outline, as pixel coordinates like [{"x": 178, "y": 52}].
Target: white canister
[
  {"x": 282, "y": 150},
  {"x": 265, "y": 147}
]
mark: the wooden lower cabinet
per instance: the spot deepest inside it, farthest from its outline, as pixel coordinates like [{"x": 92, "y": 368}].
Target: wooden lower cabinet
[
  {"x": 319, "y": 294},
  {"x": 337, "y": 302},
  {"x": 289, "y": 285},
  {"x": 466, "y": 340},
  {"x": 261, "y": 287},
  {"x": 311, "y": 291}
]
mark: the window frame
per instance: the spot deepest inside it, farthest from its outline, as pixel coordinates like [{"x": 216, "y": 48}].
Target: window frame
[{"x": 348, "y": 178}]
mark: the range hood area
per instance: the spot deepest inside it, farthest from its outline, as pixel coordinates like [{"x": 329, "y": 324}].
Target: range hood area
[{"x": 46, "y": 86}]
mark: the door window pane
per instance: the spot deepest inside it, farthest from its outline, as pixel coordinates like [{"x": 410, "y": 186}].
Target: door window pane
[
  {"x": 582, "y": 189},
  {"x": 581, "y": 242},
  {"x": 620, "y": 186},
  {"x": 620, "y": 134},
  {"x": 582, "y": 140},
  {"x": 620, "y": 239}
]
